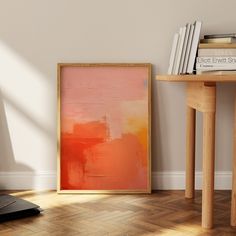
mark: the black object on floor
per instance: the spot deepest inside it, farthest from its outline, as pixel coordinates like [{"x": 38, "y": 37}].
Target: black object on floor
[{"x": 14, "y": 208}]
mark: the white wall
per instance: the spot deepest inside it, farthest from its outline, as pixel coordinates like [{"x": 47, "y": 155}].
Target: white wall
[{"x": 36, "y": 35}]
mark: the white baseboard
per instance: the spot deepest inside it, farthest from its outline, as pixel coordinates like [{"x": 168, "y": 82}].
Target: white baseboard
[
  {"x": 175, "y": 180},
  {"x": 172, "y": 180},
  {"x": 28, "y": 180}
]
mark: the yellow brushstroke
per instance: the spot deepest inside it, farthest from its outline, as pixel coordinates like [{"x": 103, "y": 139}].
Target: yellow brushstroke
[
  {"x": 137, "y": 126},
  {"x": 135, "y": 120}
]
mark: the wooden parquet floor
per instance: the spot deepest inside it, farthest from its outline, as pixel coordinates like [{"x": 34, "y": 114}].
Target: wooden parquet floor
[{"x": 161, "y": 213}]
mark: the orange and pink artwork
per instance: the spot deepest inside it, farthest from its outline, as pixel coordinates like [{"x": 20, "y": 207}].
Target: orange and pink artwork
[{"x": 104, "y": 127}]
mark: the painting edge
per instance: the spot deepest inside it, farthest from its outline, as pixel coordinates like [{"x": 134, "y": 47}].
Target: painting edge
[{"x": 59, "y": 67}]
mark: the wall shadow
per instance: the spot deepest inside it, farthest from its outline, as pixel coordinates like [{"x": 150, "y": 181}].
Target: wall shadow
[{"x": 7, "y": 158}]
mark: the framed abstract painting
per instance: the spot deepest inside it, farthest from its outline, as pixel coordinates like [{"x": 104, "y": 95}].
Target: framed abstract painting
[{"x": 104, "y": 128}]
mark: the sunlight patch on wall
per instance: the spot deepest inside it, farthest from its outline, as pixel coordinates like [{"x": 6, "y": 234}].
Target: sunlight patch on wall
[{"x": 26, "y": 96}]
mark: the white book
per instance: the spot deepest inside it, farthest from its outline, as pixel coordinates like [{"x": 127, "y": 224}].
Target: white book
[
  {"x": 179, "y": 50},
  {"x": 175, "y": 70},
  {"x": 194, "y": 46},
  {"x": 184, "y": 48},
  {"x": 214, "y": 36},
  {"x": 219, "y": 40},
  {"x": 173, "y": 54},
  {"x": 215, "y": 67},
  {"x": 211, "y": 52},
  {"x": 216, "y": 60},
  {"x": 190, "y": 38},
  {"x": 216, "y": 72}
]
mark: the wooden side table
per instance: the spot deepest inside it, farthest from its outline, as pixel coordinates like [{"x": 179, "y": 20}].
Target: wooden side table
[
  {"x": 233, "y": 196},
  {"x": 201, "y": 96}
]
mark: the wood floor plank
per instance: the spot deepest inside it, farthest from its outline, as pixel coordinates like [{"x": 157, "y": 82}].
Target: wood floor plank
[{"x": 159, "y": 214}]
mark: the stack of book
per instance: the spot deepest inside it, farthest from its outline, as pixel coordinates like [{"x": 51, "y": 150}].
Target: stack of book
[
  {"x": 184, "y": 49},
  {"x": 217, "y": 54}
]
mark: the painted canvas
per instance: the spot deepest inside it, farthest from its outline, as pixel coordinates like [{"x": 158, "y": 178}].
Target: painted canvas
[{"x": 104, "y": 128}]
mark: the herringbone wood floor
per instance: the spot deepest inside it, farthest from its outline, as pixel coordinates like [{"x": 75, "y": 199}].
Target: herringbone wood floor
[{"x": 161, "y": 213}]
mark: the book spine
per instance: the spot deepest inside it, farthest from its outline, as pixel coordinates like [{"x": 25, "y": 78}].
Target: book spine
[
  {"x": 194, "y": 46},
  {"x": 179, "y": 50},
  {"x": 216, "y": 52},
  {"x": 173, "y": 54},
  {"x": 216, "y": 61},
  {"x": 215, "y": 67},
  {"x": 188, "y": 49},
  {"x": 184, "y": 49},
  {"x": 218, "y": 40},
  {"x": 212, "y": 36},
  {"x": 217, "y": 45},
  {"x": 216, "y": 72}
]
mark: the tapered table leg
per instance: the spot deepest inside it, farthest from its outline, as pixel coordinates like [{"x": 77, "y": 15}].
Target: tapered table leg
[
  {"x": 190, "y": 153},
  {"x": 233, "y": 198},
  {"x": 208, "y": 169}
]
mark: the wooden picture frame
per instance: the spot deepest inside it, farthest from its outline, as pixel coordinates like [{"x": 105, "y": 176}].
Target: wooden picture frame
[{"x": 104, "y": 128}]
